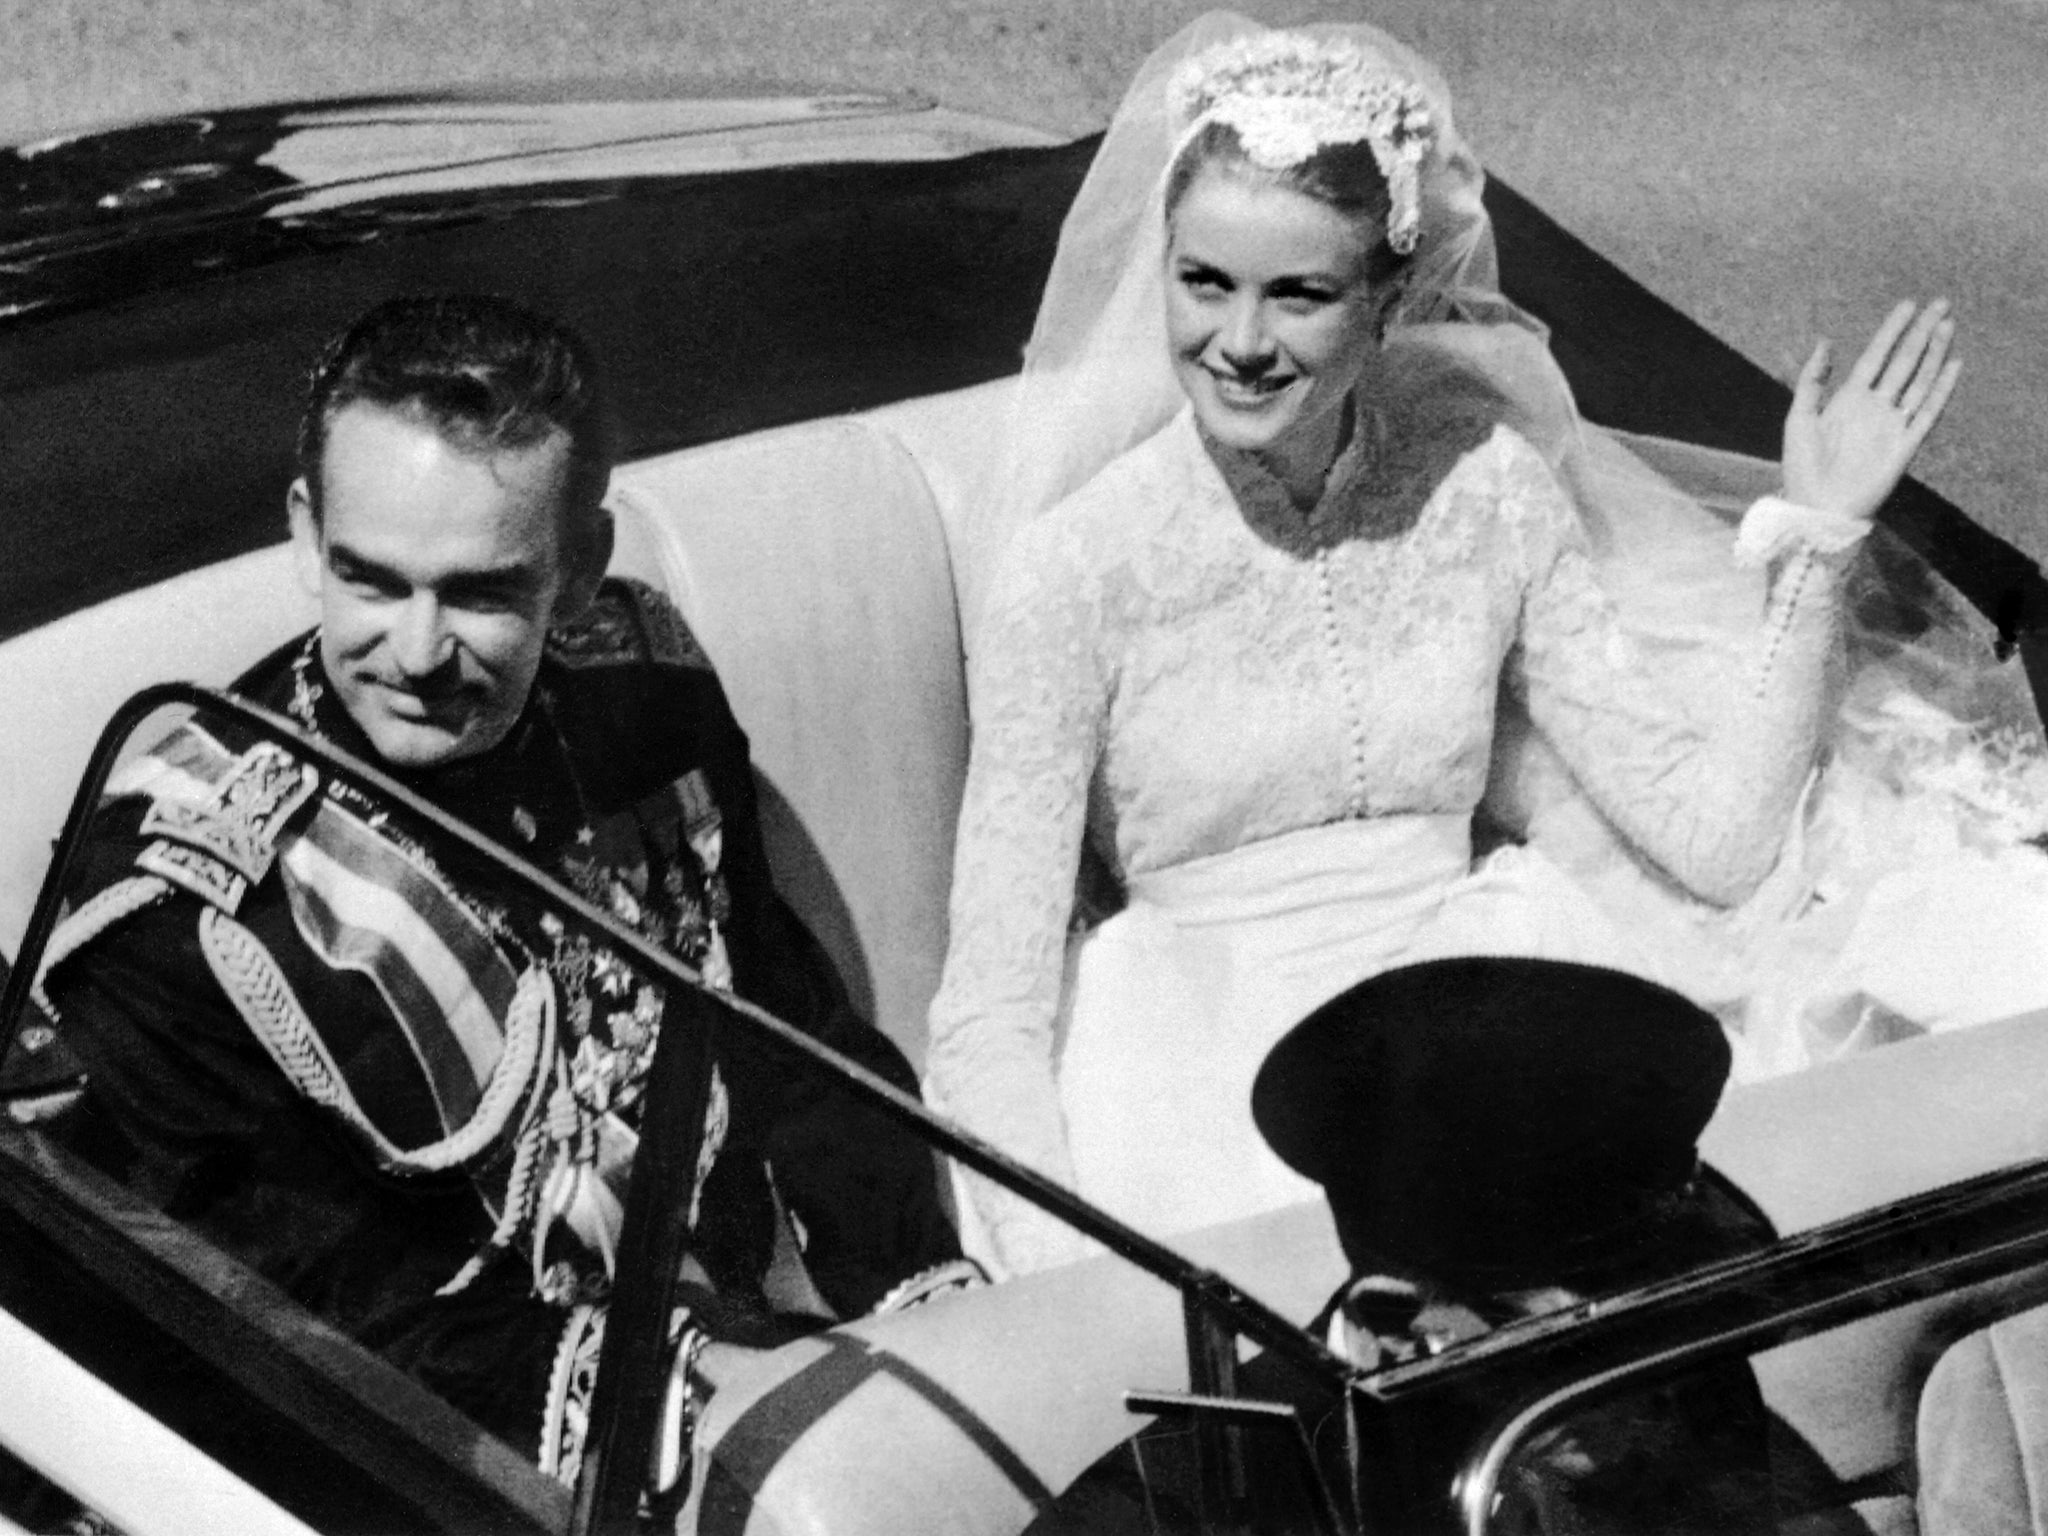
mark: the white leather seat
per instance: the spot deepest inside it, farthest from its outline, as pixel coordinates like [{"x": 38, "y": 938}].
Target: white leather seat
[
  {"x": 811, "y": 564},
  {"x": 1983, "y": 1433}
]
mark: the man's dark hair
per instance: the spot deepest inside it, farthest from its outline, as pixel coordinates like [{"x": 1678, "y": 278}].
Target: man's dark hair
[{"x": 485, "y": 372}]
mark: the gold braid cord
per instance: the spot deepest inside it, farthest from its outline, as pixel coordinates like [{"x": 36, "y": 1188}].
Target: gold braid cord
[
  {"x": 121, "y": 899},
  {"x": 257, "y": 987},
  {"x": 532, "y": 1011},
  {"x": 514, "y": 1214}
]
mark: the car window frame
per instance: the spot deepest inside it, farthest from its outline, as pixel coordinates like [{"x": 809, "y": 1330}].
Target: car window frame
[
  {"x": 1534, "y": 1373},
  {"x": 630, "y": 1382},
  {"x": 304, "y": 1372},
  {"x": 286, "y": 1367},
  {"x": 336, "y": 1377}
]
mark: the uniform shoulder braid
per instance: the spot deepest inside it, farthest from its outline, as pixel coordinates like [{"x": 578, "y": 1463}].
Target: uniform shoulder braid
[
  {"x": 628, "y": 623},
  {"x": 213, "y": 817},
  {"x": 190, "y": 814}
]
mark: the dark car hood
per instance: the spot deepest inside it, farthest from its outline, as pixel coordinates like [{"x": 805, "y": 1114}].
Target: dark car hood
[{"x": 91, "y": 216}]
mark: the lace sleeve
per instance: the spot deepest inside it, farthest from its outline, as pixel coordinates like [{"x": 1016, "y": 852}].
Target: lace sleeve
[
  {"x": 1703, "y": 777},
  {"x": 1039, "y": 694}
]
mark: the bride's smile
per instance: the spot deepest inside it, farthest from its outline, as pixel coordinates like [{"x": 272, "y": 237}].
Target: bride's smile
[{"x": 1270, "y": 316}]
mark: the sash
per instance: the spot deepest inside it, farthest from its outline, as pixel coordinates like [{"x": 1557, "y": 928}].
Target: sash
[
  {"x": 360, "y": 900},
  {"x": 363, "y": 904},
  {"x": 484, "y": 1034}
]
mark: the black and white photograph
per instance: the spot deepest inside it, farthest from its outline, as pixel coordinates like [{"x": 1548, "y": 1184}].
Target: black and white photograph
[{"x": 1024, "y": 768}]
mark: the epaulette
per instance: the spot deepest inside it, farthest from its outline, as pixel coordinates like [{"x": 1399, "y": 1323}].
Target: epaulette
[
  {"x": 214, "y": 817},
  {"x": 626, "y": 624}
]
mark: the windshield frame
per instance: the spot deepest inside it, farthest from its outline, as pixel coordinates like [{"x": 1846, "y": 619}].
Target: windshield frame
[{"x": 626, "y": 1405}]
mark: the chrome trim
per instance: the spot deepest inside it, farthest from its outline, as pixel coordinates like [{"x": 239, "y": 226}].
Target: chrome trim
[{"x": 1798, "y": 1262}]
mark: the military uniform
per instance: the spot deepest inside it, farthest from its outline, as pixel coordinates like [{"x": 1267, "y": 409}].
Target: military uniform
[{"x": 364, "y": 1063}]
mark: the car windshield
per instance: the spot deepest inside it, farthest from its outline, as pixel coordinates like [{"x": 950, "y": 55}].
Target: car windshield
[
  {"x": 121, "y": 1185},
  {"x": 127, "y": 1183}
]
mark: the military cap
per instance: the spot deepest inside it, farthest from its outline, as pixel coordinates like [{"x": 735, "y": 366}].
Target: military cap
[{"x": 1489, "y": 1124}]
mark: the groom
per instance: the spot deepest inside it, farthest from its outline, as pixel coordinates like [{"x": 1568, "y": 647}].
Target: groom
[{"x": 360, "y": 1059}]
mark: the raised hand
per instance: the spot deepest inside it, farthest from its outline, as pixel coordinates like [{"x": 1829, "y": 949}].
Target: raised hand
[{"x": 1846, "y": 455}]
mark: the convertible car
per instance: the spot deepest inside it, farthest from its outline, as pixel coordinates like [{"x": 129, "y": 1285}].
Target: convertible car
[{"x": 811, "y": 304}]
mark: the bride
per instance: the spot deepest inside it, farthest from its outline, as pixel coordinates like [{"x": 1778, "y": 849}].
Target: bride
[{"x": 1293, "y": 498}]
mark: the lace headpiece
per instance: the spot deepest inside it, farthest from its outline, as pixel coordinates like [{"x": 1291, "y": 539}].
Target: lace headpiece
[{"x": 1287, "y": 95}]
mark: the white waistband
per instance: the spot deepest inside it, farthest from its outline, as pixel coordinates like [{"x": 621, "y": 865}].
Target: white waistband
[{"x": 1345, "y": 862}]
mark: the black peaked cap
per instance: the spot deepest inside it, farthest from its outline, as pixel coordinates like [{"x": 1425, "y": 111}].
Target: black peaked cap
[{"x": 1492, "y": 1124}]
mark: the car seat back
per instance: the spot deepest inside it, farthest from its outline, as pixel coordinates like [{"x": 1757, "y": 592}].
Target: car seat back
[
  {"x": 1983, "y": 1433},
  {"x": 811, "y": 565},
  {"x": 60, "y": 684}
]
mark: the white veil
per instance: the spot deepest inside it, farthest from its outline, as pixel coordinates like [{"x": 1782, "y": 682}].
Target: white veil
[
  {"x": 1097, "y": 380},
  {"x": 1937, "y": 744}
]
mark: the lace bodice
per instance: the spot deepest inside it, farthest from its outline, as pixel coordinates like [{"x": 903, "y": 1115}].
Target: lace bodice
[{"x": 1179, "y": 662}]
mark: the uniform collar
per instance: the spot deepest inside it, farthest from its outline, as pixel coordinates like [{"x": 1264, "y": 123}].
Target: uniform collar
[{"x": 523, "y": 791}]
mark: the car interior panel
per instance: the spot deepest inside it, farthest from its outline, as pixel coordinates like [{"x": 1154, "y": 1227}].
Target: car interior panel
[
  {"x": 249, "y": 1378},
  {"x": 94, "y": 1444}
]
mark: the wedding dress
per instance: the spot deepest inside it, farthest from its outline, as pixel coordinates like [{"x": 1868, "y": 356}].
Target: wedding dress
[
  {"x": 1276, "y": 727},
  {"x": 1273, "y": 729}
]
